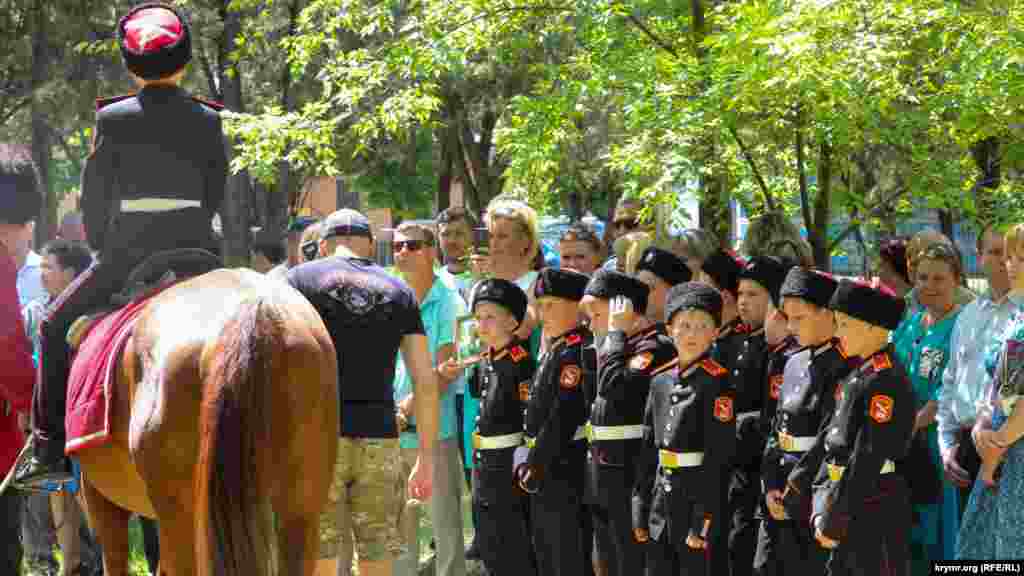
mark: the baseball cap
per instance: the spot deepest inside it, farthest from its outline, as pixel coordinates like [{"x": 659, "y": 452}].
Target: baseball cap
[{"x": 345, "y": 222}]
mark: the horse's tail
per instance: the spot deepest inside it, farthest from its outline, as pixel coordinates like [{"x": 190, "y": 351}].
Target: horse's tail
[{"x": 233, "y": 533}]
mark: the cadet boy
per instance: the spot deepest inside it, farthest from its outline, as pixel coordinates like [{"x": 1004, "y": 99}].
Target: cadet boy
[
  {"x": 861, "y": 510},
  {"x": 809, "y": 390},
  {"x": 502, "y": 385},
  {"x": 660, "y": 270},
  {"x": 634, "y": 351},
  {"x": 690, "y": 425},
  {"x": 555, "y": 434}
]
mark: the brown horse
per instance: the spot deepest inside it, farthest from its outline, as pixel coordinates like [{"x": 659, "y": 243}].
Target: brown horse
[{"x": 225, "y": 427}]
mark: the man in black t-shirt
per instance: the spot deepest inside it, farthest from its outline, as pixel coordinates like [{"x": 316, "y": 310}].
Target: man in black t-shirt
[{"x": 370, "y": 315}]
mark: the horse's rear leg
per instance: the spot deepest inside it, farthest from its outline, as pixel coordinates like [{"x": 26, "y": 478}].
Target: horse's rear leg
[{"x": 110, "y": 525}]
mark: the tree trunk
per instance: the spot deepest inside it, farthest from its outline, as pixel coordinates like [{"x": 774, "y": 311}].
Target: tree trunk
[
  {"x": 235, "y": 209},
  {"x": 822, "y": 210},
  {"x": 714, "y": 212},
  {"x": 277, "y": 207},
  {"x": 946, "y": 223},
  {"x": 41, "y": 140},
  {"x": 986, "y": 158}
]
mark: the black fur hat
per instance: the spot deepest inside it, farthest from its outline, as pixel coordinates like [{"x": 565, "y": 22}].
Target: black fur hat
[
  {"x": 693, "y": 296},
  {"x": 503, "y": 293},
  {"x": 810, "y": 285},
  {"x": 664, "y": 265},
  {"x": 560, "y": 283},
  {"x": 607, "y": 284},
  {"x": 864, "y": 302}
]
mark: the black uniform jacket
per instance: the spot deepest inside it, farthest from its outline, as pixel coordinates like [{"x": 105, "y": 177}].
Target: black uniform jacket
[
  {"x": 872, "y": 424},
  {"x": 556, "y": 407},
  {"x": 625, "y": 369},
  {"x": 502, "y": 383},
  {"x": 690, "y": 409},
  {"x": 810, "y": 387},
  {"x": 158, "y": 144}
]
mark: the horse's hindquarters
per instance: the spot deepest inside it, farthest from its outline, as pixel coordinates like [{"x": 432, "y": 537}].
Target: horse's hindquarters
[{"x": 110, "y": 470}]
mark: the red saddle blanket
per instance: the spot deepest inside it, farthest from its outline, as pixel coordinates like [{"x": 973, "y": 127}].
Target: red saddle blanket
[{"x": 93, "y": 369}]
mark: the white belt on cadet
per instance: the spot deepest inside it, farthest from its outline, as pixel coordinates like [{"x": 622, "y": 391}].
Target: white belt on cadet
[
  {"x": 795, "y": 443},
  {"x": 750, "y": 414},
  {"x": 157, "y": 204},
  {"x": 581, "y": 433},
  {"x": 606, "y": 433},
  {"x": 669, "y": 459},
  {"x": 497, "y": 442},
  {"x": 835, "y": 471}
]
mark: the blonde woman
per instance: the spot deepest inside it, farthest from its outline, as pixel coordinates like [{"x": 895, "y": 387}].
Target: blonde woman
[
  {"x": 774, "y": 234},
  {"x": 514, "y": 243},
  {"x": 694, "y": 246}
]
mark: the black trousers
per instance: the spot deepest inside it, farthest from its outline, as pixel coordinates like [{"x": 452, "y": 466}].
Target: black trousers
[
  {"x": 670, "y": 556},
  {"x": 613, "y": 521},
  {"x": 877, "y": 539},
  {"x": 743, "y": 496},
  {"x": 502, "y": 535},
  {"x": 968, "y": 458},
  {"x": 10, "y": 532},
  {"x": 787, "y": 547},
  {"x": 90, "y": 291},
  {"x": 556, "y": 519},
  {"x": 150, "y": 543}
]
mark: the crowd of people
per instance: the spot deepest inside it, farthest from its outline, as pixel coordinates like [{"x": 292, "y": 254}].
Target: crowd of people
[{"x": 642, "y": 408}]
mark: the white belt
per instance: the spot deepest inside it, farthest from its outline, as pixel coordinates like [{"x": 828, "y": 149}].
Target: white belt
[
  {"x": 795, "y": 443},
  {"x": 606, "y": 433},
  {"x": 497, "y": 442},
  {"x": 581, "y": 433},
  {"x": 670, "y": 459},
  {"x": 1008, "y": 404},
  {"x": 157, "y": 204},
  {"x": 835, "y": 471},
  {"x": 745, "y": 415}
]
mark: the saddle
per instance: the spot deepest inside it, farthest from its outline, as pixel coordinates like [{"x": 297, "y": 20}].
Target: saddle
[{"x": 153, "y": 274}]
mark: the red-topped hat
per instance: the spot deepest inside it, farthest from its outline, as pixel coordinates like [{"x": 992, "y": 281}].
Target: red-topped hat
[{"x": 155, "y": 40}]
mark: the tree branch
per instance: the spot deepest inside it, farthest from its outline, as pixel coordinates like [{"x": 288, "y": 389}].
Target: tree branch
[
  {"x": 874, "y": 209},
  {"x": 15, "y": 108},
  {"x": 805, "y": 200},
  {"x": 769, "y": 202},
  {"x": 658, "y": 41}
]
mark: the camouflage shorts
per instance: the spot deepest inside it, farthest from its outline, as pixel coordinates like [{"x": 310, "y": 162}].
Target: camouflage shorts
[{"x": 363, "y": 499}]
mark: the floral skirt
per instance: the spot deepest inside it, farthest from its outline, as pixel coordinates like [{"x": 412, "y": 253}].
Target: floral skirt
[{"x": 993, "y": 523}]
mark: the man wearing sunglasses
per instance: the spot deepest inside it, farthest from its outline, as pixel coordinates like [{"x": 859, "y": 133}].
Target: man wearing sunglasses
[
  {"x": 371, "y": 316},
  {"x": 415, "y": 251},
  {"x": 625, "y": 220}
]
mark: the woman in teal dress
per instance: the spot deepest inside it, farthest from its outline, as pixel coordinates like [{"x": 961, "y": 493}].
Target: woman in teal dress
[{"x": 922, "y": 345}]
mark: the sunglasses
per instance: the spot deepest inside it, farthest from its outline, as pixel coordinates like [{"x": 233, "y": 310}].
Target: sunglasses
[
  {"x": 625, "y": 223},
  {"x": 410, "y": 245}
]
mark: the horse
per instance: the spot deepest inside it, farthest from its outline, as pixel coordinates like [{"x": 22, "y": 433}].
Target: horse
[{"x": 224, "y": 427}]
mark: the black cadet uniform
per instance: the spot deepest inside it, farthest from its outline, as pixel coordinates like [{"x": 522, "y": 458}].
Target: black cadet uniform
[
  {"x": 808, "y": 396},
  {"x": 555, "y": 435},
  {"x": 153, "y": 182},
  {"x": 615, "y": 430},
  {"x": 859, "y": 499},
  {"x": 747, "y": 378},
  {"x": 502, "y": 385},
  {"x": 688, "y": 443}
]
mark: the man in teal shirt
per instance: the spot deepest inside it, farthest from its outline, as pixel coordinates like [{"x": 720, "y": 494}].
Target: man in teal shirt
[{"x": 440, "y": 304}]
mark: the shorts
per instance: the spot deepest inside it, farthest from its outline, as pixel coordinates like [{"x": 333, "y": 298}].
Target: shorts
[{"x": 363, "y": 497}]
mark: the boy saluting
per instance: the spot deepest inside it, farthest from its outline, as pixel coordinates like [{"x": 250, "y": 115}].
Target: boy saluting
[{"x": 691, "y": 427}]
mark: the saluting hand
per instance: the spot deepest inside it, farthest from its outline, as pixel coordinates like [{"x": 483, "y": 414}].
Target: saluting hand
[
  {"x": 621, "y": 315},
  {"x": 641, "y": 535},
  {"x": 774, "y": 501}
]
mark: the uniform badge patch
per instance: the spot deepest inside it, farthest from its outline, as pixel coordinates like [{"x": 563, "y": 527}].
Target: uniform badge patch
[
  {"x": 570, "y": 377},
  {"x": 517, "y": 353},
  {"x": 880, "y": 408},
  {"x": 641, "y": 361},
  {"x": 723, "y": 408},
  {"x": 776, "y": 386},
  {"x": 524, "y": 391},
  {"x": 881, "y": 362}
]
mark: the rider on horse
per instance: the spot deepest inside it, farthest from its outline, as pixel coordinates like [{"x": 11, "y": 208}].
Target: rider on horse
[{"x": 152, "y": 183}]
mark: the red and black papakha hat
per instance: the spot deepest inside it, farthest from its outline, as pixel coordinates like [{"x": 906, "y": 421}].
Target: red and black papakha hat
[
  {"x": 810, "y": 285},
  {"x": 155, "y": 40},
  {"x": 560, "y": 283},
  {"x": 876, "y": 306},
  {"x": 724, "y": 268}
]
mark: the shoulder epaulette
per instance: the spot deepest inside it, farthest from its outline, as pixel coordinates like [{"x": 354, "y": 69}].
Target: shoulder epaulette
[
  {"x": 742, "y": 328},
  {"x": 712, "y": 367},
  {"x": 573, "y": 340},
  {"x": 881, "y": 362},
  {"x": 518, "y": 353},
  {"x": 104, "y": 102},
  {"x": 211, "y": 103}
]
